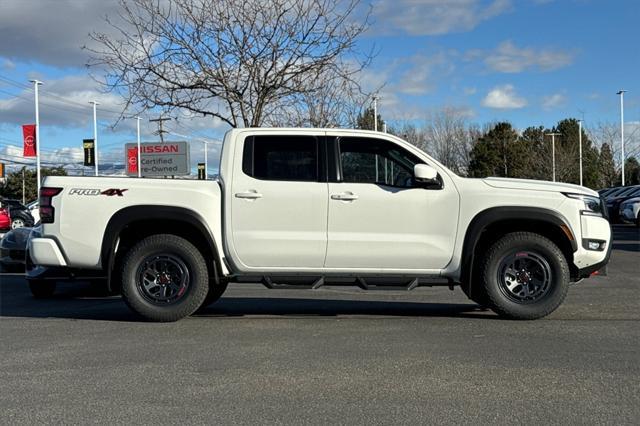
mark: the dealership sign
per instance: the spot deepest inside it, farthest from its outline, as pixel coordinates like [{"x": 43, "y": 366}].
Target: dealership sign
[{"x": 158, "y": 159}]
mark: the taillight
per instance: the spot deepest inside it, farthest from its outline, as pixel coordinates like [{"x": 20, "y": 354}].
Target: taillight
[
  {"x": 4, "y": 211},
  {"x": 46, "y": 209}
]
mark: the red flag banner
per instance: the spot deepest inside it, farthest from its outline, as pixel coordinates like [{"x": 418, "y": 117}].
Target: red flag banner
[
  {"x": 29, "y": 140},
  {"x": 132, "y": 160}
]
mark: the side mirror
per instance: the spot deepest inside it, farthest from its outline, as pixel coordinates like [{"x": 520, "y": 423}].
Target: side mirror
[
  {"x": 425, "y": 173},
  {"x": 427, "y": 176}
]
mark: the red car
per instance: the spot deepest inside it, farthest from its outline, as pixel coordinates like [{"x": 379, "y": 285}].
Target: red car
[{"x": 5, "y": 219}]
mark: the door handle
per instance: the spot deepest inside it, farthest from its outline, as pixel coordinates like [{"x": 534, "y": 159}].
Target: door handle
[
  {"x": 345, "y": 196},
  {"x": 249, "y": 195}
]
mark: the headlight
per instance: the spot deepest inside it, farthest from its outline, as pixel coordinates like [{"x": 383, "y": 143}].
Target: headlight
[{"x": 592, "y": 205}]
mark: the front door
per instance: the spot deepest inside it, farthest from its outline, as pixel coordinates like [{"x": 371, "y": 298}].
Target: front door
[
  {"x": 379, "y": 218},
  {"x": 279, "y": 203}
]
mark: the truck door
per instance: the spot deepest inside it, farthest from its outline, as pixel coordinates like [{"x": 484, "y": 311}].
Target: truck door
[
  {"x": 379, "y": 218},
  {"x": 279, "y": 202}
]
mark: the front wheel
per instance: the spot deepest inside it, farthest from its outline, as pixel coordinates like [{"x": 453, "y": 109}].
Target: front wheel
[
  {"x": 525, "y": 276},
  {"x": 164, "y": 278}
]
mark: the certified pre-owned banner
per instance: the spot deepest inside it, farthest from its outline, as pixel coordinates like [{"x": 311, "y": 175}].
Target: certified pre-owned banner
[{"x": 158, "y": 159}]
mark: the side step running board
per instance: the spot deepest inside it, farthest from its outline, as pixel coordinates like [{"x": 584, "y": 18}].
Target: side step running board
[{"x": 360, "y": 282}]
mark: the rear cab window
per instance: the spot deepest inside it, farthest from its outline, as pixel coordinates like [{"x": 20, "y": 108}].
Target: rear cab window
[{"x": 282, "y": 158}]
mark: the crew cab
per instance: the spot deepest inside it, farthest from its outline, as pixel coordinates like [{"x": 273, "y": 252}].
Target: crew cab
[{"x": 311, "y": 207}]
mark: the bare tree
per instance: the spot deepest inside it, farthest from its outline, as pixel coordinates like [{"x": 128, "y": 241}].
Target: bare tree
[
  {"x": 449, "y": 138},
  {"x": 332, "y": 99},
  {"x": 236, "y": 60}
]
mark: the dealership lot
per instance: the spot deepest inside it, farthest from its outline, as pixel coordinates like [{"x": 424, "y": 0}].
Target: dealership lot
[{"x": 326, "y": 356}]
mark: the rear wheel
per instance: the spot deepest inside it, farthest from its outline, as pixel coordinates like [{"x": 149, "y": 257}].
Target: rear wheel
[
  {"x": 164, "y": 278},
  {"x": 18, "y": 222},
  {"x": 42, "y": 289},
  {"x": 525, "y": 276}
]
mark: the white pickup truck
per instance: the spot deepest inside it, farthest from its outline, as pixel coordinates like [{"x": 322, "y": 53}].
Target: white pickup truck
[{"x": 314, "y": 207}]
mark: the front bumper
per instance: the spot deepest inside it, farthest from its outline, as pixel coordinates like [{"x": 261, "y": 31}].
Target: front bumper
[
  {"x": 600, "y": 267},
  {"x": 588, "y": 261}
]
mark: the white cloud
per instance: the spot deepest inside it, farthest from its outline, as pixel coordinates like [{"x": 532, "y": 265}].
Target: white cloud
[
  {"x": 8, "y": 65},
  {"x": 52, "y": 32},
  {"x": 509, "y": 58},
  {"x": 432, "y": 17},
  {"x": 504, "y": 97},
  {"x": 470, "y": 91},
  {"x": 420, "y": 75},
  {"x": 553, "y": 101},
  {"x": 63, "y": 102}
]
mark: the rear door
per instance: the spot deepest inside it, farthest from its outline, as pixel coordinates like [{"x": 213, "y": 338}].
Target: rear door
[{"x": 279, "y": 202}]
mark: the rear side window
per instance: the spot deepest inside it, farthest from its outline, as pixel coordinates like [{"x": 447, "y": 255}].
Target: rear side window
[{"x": 293, "y": 158}]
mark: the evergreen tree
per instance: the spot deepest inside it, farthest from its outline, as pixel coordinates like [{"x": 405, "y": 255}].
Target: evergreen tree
[
  {"x": 365, "y": 121},
  {"x": 607, "y": 170},
  {"x": 498, "y": 152},
  {"x": 631, "y": 172},
  {"x": 538, "y": 154},
  {"x": 568, "y": 157},
  {"x": 13, "y": 187}
]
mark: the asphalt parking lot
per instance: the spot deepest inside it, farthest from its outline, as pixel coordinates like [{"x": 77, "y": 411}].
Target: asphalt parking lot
[{"x": 329, "y": 356}]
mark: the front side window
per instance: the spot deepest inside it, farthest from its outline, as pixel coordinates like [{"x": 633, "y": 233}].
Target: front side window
[
  {"x": 293, "y": 158},
  {"x": 366, "y": 160}
]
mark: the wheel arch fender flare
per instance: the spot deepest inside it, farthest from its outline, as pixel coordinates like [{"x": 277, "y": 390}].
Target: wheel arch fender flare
[
  {"x": 493, "y": 216},
  {"x": 144, "y": 213}
]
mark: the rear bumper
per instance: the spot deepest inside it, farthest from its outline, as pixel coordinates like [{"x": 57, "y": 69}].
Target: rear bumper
[
  {"x": 37, "y": 272},
  {"x": 45, "y": 252}
]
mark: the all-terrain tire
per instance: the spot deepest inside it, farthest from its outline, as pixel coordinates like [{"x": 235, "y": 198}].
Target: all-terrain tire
[
  {"x": 184, "y": 267},
  {"x": 548, "y": 265}
]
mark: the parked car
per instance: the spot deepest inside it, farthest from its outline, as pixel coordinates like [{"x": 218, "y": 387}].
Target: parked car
[
  {"x": 20, "y": 214},
  {"x": 630, "y": 211},
  {"x": 618, "y": 192},
  {"x": 606, "y": 191},
  {"x": 5, "y": 219},
  {"x": 314, "y": 207},
  {"x": 613, "y": 203},
  {"x": 35, "y": 210},
  {"x": 12, "y": 249}
]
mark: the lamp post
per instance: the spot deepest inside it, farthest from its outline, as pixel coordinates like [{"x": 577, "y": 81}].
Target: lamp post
[
  {"x": 553, "y": 152},
  {"x": 621, "y": 93},
  {"x": 37, "y": 83},
  {"x": 95, "y": 133},
  {"x": 138, "y": 138},
  {"x": 580, "y": 147},
  {"x": 375, "y": 113},
  {"x": 206, "y": 145}
]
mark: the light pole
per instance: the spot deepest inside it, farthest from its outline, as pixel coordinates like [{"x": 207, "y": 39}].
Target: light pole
[
  {"x": 553, "y": 152},
  {"x": 375, "y": 113},
  {"x": 580, "y": 147},
  {"x": 621, "y": 93},
  {"x": 206, "y": 145},
  {"x": 138, "y": 138},
  {"x": 95, "y": 134},
  {"x": 37, "y": 83}
]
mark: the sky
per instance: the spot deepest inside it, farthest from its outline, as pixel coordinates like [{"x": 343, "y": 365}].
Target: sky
[{"x": 530, "y": 62}]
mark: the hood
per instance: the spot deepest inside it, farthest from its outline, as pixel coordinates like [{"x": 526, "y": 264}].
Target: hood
[
  {"x": 632, "y": 200},
  {"x": 538, "y": 185}
]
